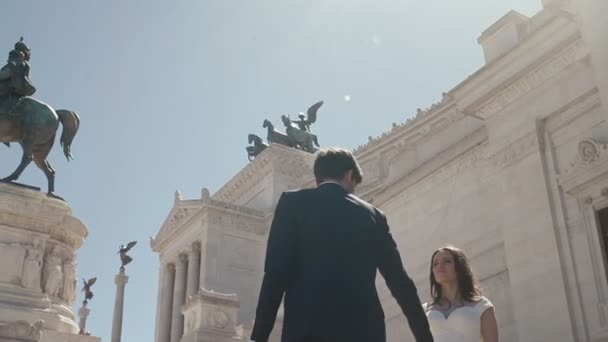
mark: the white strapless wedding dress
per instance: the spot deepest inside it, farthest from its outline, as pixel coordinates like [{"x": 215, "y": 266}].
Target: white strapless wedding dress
[{"x": 462, "y": 325}]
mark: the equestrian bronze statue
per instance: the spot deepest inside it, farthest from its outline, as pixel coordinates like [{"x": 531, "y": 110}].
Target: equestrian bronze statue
[{"x": 30, "y": 122}]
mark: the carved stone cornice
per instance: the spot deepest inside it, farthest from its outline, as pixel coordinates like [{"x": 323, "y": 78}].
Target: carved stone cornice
[
  {"x": 534, "y": 78},
  {"x": 412, "y": 185},
  {"x": 515, "y": 151},
  {"x": 482, "y": 101},
  {"x": 274, "y": 159},
  {"x": 574, "y": 110},
  {"x": 31, "y": 210},
  {"x": 437, "y": 169},
  {"x": 186, "y": 211},
  {"x": 214, "y": 298},
  {"x": 425, "y": 122},
  {"x": 232, "y": 208},
  {"x": 241, "y": 223},
  {"x": 547, "y": 35},
  {"x": 179, "y": 214}
]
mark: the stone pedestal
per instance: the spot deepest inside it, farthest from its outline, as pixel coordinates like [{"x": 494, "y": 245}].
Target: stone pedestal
[
  {"x": 210, "y": 317},
  {"x": 83, "y": 313},
  {"x": 39, "y": 238}
]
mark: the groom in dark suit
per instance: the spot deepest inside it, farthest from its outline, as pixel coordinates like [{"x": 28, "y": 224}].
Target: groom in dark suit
[{"x": 324, "y": 248}]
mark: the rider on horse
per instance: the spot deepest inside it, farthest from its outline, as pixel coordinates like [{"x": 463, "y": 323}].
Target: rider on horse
[
  {"x": 15, "y": 82},
  {"x": 303, "y": 123}
]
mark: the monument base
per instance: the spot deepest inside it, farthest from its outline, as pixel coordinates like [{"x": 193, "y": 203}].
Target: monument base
[{"x": 39, "y": 238}]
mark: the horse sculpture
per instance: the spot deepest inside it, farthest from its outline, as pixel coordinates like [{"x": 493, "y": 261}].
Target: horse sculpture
[
  {"x": 274, "y": 136},
  {"x": 302, "y": 139},
  {"x": 297, "y": 133},
  {"x": 34, "y": 125},
  {"x": 258, "y": 146}
]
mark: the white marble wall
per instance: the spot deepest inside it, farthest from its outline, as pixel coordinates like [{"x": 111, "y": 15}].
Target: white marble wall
[{"x": 533, "y": 244}]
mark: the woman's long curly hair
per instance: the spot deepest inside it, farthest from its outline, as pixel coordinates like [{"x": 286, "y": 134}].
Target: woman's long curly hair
[{"x": 467, "y": 285}]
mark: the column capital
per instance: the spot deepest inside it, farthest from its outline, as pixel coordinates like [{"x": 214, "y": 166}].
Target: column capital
[
  {"x": 170, "y": 266},
  {"x": 196, "y": 247},
  {"x": 121, "y": 279},
  {"x": 182, "y": 258},
  {"x": 84, "y": 311}
]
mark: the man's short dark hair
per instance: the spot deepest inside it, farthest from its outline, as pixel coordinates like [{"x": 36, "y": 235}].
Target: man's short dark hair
[{"x": 334, "y": 163}]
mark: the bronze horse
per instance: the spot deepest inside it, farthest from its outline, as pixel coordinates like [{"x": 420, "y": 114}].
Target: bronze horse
[
  {"x": 258, "y": 146},
  {"x": 275, "y": 136},
  {"x": 34, "y": 125}
]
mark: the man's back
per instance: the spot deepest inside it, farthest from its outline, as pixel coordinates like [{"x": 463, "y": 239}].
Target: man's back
[
  {"x": 335, "y": 264},
  {"x": 324, "y": 249}
]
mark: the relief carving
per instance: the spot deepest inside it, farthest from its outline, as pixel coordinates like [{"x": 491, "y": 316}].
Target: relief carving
[
  {"x": 228, "y": 221},
  {"x": 220, "y": 319},
  {"x": 70, "y": 280},
  {"x": 52, "y": 274},
  {"x": 22, "y": 331},
  {"x": 32, "y": 266},
  {"x": 589, "y": 151},
  {"x": 590, "y": 154}
]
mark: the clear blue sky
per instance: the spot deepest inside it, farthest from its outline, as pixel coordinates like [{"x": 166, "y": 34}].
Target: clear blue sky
[{"x": 167, "y": 92}]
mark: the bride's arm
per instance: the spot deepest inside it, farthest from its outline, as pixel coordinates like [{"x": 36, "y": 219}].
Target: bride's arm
[{"x": 489, "y": 327}]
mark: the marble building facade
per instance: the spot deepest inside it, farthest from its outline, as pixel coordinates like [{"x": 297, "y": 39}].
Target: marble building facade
[{"x": 511, "y": 165}]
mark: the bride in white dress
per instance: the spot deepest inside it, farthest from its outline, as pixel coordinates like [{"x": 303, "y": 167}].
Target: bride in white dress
[{"x": 458, "y": 312}]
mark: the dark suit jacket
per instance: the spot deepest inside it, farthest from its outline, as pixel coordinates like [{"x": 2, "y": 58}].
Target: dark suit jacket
[{"x": 323, "y": 251}]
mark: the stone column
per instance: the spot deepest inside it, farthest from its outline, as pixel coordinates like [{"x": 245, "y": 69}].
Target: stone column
[
  {"x": 202, "y": 262},
  {"x": 166, "y": 304},
  {"x": 193, "y": 269},
  {"x": 82, "y": 323},
  {"x": 179, "y": 295},
  {"x": 120, "y": 280}
]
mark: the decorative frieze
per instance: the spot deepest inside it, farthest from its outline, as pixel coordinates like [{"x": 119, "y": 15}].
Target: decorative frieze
[
  {"x": 22, "y": 331},
  {"x": 514, "y": 151},
  {"x": 274, "y": 159},
  {"x": 523, "y": 85},
  {"x": 571, "y": 112}
]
